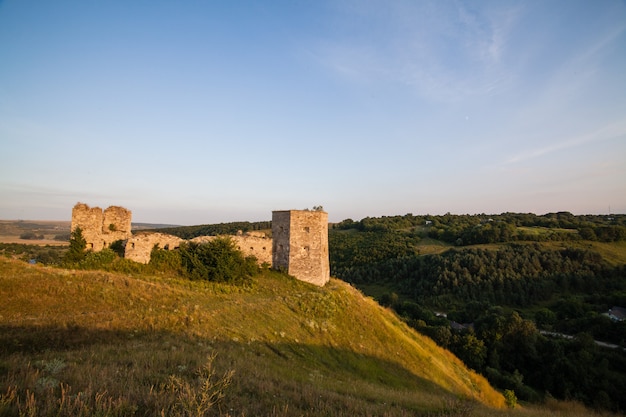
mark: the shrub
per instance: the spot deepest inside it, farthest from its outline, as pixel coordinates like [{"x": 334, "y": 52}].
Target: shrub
[
  {"x": 119, "y": 247},
  {"x": 162, "y": 260},
  {"x": 218, "y": 260},
  {"x": 47, "y": 255},
  {"x": 510, "y": 398},
  {"x": 98, "y": 260},
  {"x": 126, "y": 266}
]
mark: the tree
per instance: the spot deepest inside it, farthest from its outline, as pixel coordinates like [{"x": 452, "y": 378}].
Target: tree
[
  {"x": 78, "y": 245},
  {"x": 471, "y": 350},
  {"x": 545, "y": 318}
]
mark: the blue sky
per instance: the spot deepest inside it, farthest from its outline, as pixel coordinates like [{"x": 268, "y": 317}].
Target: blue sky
[{"x": 193, "y": 112}]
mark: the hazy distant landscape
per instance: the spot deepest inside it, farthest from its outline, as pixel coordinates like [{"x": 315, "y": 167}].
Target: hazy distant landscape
[{"x": 35, "y": 232}]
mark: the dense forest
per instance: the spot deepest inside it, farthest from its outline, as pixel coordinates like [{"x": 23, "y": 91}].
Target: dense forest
[{"x": 521, "y": 298}]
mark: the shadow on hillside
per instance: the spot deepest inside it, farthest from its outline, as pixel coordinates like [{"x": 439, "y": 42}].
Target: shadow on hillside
[
  {"x": 33, "y": 339},
  {"x": 310, "y": 360},
  {"x": 270, "y": 378}
]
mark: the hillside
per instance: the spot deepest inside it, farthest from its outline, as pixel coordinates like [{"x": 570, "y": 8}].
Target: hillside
[{"x": 295, "y": 349}]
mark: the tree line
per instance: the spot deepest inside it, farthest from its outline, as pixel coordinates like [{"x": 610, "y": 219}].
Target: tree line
[
  {"x": 189, "y": 232},
  {"x": 466, "y": 230}
]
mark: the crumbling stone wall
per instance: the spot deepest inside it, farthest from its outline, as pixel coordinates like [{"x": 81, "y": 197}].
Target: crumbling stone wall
[
  {"x": 101, "y": 228},
  {"x": 300, "y": 244},
  {"x": 257, "y": 246},
  {"x": 251, "y": 243},
  {"x": 139, "y": 247},
  {"x": 116, "y": 220}
]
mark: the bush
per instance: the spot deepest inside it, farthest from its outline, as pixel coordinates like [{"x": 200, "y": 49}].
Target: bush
[
  {"x": 47, "y": 255},
  {"x": 119, "y": 247},
  {"x": 218, "y": 260},
  {"x": 162, "y": 260},
  {"x": 509, "y": 398},
  {"x": 98, "y": 260}
]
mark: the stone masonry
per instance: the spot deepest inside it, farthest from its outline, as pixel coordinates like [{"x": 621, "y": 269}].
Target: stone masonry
[
  {"x": 300, "y": 244},
  {"x": 139, "y": 246},
  {"x": 101, "y": 228}
]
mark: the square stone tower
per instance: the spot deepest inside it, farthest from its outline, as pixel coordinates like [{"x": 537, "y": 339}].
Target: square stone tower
[{"x": 300, "y": 244}]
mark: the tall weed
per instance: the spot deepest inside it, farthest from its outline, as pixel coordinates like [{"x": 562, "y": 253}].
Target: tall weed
[{"x": 197, "y": 399}]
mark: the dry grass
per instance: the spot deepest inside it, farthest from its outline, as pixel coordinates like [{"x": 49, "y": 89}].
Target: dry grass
[
  {"x": 109, "y": 344},
  {"x": 614, "y": 252}
]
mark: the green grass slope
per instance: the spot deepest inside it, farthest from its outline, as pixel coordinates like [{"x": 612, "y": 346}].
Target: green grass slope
[{"x": 85, "y": 343}]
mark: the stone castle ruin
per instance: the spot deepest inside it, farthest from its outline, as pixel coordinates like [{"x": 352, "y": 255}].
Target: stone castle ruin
[
  {"x": 101, "y": 228},
  {"x": 299, "y": 245}
]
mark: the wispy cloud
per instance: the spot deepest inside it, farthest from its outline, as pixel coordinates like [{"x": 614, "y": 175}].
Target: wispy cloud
[{"x": 612, "y": 131}]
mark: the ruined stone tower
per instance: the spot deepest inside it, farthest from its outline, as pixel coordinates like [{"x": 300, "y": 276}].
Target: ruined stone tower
[
  {"x": 300, "y": 244},
  {"x": 101, "y": 228}
]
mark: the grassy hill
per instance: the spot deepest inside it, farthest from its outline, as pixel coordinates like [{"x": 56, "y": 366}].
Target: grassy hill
[{"x": 98, "y": 343}]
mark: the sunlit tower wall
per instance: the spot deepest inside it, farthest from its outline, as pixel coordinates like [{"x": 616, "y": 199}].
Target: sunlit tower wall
[
  {"x": 300, "y": 244},
  {"x": 89, "y": 220},
  {"x": 100, "y": 229},
  {"x": 116, "y": 224}
]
